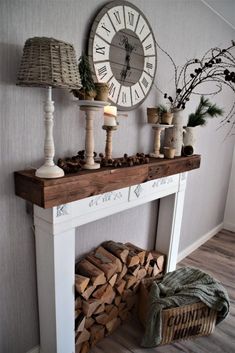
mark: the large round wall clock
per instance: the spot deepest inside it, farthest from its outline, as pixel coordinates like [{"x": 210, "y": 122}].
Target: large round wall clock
[{"x": 122, "y": 52}]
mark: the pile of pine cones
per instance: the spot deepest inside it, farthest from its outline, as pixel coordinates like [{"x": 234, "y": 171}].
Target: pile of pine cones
[{"x": 75, "y": 163}]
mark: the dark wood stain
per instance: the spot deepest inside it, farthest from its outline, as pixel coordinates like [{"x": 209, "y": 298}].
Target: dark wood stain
[
  {"x": 48, "y": 193},
  {"x": 217, "y": 257}
]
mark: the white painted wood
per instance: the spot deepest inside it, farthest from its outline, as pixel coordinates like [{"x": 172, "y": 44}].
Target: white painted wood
[
  {"x": 169, "y": 224},
  {"x": 49, "y": 169},
  {"x": 55, "y": 248},
  {"x": 203, "y": 239},
  {"x": 55, "y": 257}
]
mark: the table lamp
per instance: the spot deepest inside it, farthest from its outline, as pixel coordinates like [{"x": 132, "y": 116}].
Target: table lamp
[{"x": 48, "y": 63}]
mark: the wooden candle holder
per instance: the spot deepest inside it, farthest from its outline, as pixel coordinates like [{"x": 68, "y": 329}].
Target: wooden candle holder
[{"x": 108, "y": 146}]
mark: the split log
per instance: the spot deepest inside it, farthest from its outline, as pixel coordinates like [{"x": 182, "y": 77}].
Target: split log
[
  {"x": 82, "y": 336},
  {"x": 102, "y": 319},
  {"x": 138, "y": 251},
  {"x": 89, "y": 322},
  {"x": 122, "y": 273},
  {"x": 97, "y": 333},
  {"x": 159, "y": 258},
  {"x": 134, "y": 270},
  {"x": 113, "y": 324},
  {"x": 89, "y": 306},
  {"x": 113, "y": 313},
  {"x": 106, "y": 294},
  {"x": 108, "y": 308},
  {"x": 78, "y": 303},
  {"x": 81, "y": 283},
  {"x": 156, "y": 270},
  {"x": 148, "y": 257},
  {"x": 117, "y": 300},
  {"x": 107, "y": 254},
  {"x": 80, "y": 323},
  {"x": 113, "y": 279},
  {"x": 87, "y": 269},
  {"x": 117, "y": 249},
  {"x": 141, "y": 274},
  {"x": 90, "y": 289},
  {"x": 85, "y": 347},
  {"x": 100, "y": 309},
  {"x": 130, "y": 280},
  {"x": 132, "y": 259},
  {"x": 120, "y": 286},
  {"x": 104, "y": 263}
]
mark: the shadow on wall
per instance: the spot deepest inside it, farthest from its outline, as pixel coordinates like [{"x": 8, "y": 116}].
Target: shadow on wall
[{"x": 10, "y": 62}]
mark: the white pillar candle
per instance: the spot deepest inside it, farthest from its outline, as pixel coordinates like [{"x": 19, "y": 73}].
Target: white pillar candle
[
  {"x": 110, "y": 110},
  {"x": 110, "y": 114}
]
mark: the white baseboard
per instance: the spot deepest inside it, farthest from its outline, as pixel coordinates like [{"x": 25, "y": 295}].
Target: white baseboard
[
  {"x": 34, "y": 350},
  {"x": 199, "y": 242},
  {"x": 229, "y": 226}
]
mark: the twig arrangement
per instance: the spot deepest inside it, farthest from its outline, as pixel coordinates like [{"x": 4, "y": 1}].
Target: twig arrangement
[{"x": 216, "y": 66}]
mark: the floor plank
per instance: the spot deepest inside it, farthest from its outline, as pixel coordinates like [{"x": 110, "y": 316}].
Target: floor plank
[{"x": 216, "y": 257}]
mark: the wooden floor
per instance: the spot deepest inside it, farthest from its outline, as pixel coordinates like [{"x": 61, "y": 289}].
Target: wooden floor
[{"x": 216, "y": 257}]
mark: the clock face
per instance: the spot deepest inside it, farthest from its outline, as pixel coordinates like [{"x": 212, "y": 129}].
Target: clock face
[{"x": 122, "y": 52}]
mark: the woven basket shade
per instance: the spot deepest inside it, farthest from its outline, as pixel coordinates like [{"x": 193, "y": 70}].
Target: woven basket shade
[{"x": 48, "y": 62}]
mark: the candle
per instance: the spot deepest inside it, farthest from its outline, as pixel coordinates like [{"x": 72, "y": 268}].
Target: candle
[
  {"x": 110, "y": 110},
  {"x": 110, "y": 114}
]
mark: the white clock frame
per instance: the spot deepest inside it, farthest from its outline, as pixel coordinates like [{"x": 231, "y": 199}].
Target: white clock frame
[{"x": 114, "y": 17}]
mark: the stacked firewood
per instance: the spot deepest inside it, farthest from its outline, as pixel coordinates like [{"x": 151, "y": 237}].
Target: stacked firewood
[{"x": 106, "y": 282}]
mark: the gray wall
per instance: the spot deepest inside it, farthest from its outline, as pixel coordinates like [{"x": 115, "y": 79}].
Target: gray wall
[{"x": 183, "y": 28}]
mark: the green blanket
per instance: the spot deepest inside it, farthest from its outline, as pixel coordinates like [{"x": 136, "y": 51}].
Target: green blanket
[{"x": 182, "y": 287}]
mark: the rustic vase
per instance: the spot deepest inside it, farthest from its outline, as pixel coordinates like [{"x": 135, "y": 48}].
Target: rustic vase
[
  {"x": 174, "y": 135},
  {"x": 174, "y": 138},
  {"x": 152, "y": 115},
  {"x": 167, "y": 118},
  {"x": 102, "y": 91},
  {"x": 179, "y": 117},
  {"x": 189, "y": 138}
]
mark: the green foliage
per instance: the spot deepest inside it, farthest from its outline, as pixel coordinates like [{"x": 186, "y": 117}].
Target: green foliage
[
  {"x": 162, "y": 109},
  {"x": 204, "y": 110},
  {"x": 85, "y": 73}
]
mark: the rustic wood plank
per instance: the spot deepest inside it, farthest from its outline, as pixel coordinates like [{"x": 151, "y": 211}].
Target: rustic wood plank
[{"x": 48, "y": 193}]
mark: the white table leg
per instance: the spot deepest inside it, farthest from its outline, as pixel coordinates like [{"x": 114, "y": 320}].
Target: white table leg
[
  {"x": 169, "y": 225},
  {"x": 55, "y": 277}
]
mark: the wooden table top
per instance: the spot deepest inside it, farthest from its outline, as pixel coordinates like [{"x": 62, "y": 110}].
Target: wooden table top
[{"x": 48, "y": 193}]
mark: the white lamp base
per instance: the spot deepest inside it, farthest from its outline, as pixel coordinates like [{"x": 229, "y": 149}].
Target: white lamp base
[
  {"x": 49, "y": 172},
  {"x": 91, "y": 166}
]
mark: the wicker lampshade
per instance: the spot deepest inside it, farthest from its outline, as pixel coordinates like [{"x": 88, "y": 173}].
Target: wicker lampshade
[{"x": 48, "y": 62}]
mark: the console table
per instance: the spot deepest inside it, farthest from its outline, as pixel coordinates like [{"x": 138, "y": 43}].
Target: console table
[{"x": 61, "y": 205}]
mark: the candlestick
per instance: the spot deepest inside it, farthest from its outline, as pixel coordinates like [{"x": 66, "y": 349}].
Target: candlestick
[
  {"x": 108, "y": 145},
  {"x": 91, "y": 108},
  {"x": 158, "y": 128}
]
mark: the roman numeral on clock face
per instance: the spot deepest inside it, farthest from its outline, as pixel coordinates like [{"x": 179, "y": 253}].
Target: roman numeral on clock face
[
  {"x": 117, "y": 16},
  {"x": 130, "y": 18},
  {"x": 149, "y": 46},
  {"x": 100, "y": 50},
  {"x": 102, "y": 72},
  {"x": 149, "y": 65},
  {"x": 144, "y": 82}
]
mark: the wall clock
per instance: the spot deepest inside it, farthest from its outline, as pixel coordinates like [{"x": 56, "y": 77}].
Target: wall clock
[{"x": 122, "y": 52}]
